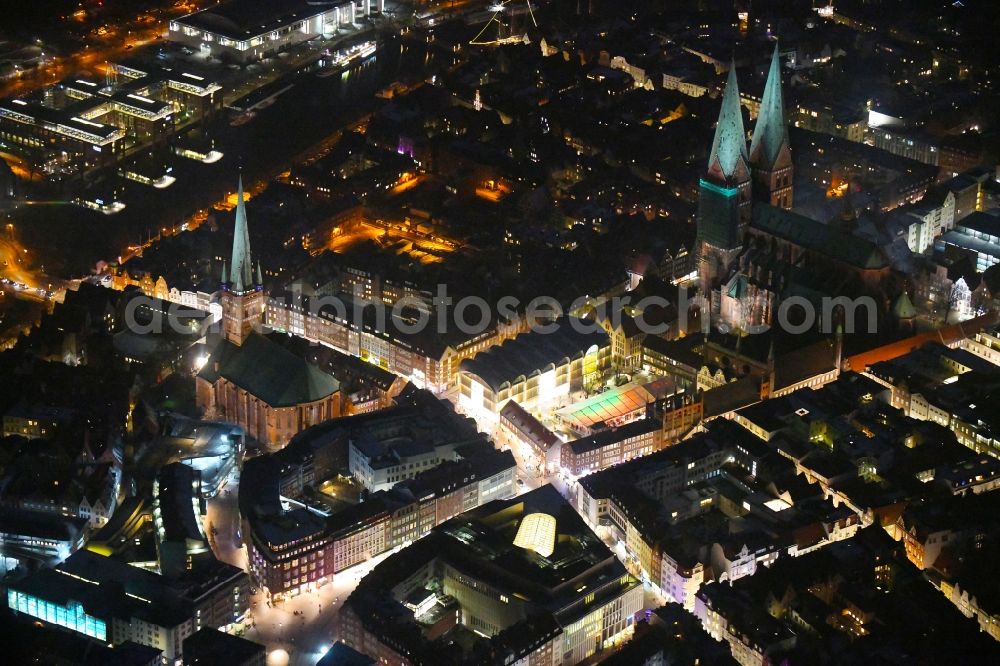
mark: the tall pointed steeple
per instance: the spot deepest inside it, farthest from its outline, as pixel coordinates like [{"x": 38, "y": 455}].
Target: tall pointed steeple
[
  {"x": 728, "y": 161},
  {"x": 242, "y": 299},
  {"x": 260, "y": 276},
  {"x": 724, "y": 194},
  {"x": 771, "y": 132},
  {"x": 770, "y": 152},
  {"x": 241, "y": 269}
]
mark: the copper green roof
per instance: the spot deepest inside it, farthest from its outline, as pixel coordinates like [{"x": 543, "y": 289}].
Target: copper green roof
[
  {"x": 903, "y": 307},
  {"x": 738, "y": 288},
  {"x": 269, "y": 372},
  {"x": 771, "y": 131},
  {"x": 821, "y": 238},
  {"x": 240, "y": 267},
  {"x": 729, "y": 147}
]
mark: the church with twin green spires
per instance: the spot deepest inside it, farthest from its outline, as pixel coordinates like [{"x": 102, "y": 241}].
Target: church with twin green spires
[
  {"x": 250, "y": 379},
  {"x": 752, "y": 248}
]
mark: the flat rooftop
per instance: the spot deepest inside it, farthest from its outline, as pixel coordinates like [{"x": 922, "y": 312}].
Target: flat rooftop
[
  {"x": 60, "y": 122},
  {"x": 969, "y": 242},
  {"x": 243, "y": 19}
]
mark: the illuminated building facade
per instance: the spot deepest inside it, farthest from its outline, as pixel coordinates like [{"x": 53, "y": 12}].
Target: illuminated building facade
[
  {"x": 80, "y": 123},
  {"x": 752, "y": 641},
  {"x": 251, "y": 30},
  {"x": 735, "y": 178},
  {"x": 177, "y": 512},
  {"x": 70, "y": 615},
  {"x": 724, "y": 193},
  {"x": 519, "y": 430},
  {"x": 611, "y": 408},
  {"x": 770, "y": 153},
  {"x": 748, "y": 238},
  {"x": 379, "y": 465},
  {"x": 427, "y": 359},
  {"x": 612, "y": 446},
  {"x": 299, "y": 550},
  {"x": 33, "y": 127},
  {"x": 113, "y": 602},
  {"x": 681, "y": 413},
  {"x": 534, "y": 369},
  {"x": 38, "y": 536},
  {"x": 667, "y": 471}
]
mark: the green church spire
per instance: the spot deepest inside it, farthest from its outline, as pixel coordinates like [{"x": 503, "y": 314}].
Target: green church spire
[
  {"x": 771, "y": 131},
  {"x": 241, "y": 270},
  {"x": 729, "y": 148}
]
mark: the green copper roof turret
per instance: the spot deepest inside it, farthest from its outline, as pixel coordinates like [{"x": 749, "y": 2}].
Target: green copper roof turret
[
  {"x": 729, "y": 148},
  {"x": 240, "y": 267},
  {"x": 771, "y": 131}
]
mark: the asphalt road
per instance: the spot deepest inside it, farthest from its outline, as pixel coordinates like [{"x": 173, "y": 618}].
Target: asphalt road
[{"x": 303, "y": 626}]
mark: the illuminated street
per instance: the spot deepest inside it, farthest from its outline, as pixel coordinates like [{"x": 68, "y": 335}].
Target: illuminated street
[
  {"x": 425, "y": 247},
  {"x": 109, "y": 44},
  {"x": 303, "y": 625},
  {"x": 13, "y": 258},
  {"x": 567, "y": 332}
]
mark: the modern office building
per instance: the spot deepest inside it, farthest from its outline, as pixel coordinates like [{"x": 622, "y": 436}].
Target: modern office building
[
  {"x": 525, "y": 574},
  {"x": 81, "y": 123},
  {"x": 976, "y": 237},
  {"x": 32, "y": 127},
  {"x": 251, "y": 30},
  {"x": 39, "y": 536},
  {"x": 119, "y": 533},
  {"x": 113, "y": 602}
]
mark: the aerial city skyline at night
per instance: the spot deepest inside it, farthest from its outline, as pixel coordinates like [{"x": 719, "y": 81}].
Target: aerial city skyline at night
[{"x": 527, "y": 333}]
